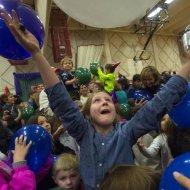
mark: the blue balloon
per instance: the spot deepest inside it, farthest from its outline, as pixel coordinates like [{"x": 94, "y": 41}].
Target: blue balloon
[
  {"x": 9, "y": 48},
  {"x": 40, "y": 148},
  {"x": 180, "y": 164},
  {"x": 180, "y": 113},
  {"x": 142, "y": 94}
]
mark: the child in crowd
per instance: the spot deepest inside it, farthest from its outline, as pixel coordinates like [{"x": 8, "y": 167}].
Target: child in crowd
[
  {"x": 31, "y": 100},
  {"x": 15, "y": 114},
  {"x": 66, "y": 172},
  {"x": 103, "y": 141},
  {"x": 136, "y": 85},
  {"x": 128, "y": 177},
  {"x": 20, "y": 177},
  {"x": 159, "y": 146},
  {"x": 70, "y": 81},
  {"x": 84, "y": 94},
  {"x": 58, "y": 148},
  {"x": 108, "y": 79}
]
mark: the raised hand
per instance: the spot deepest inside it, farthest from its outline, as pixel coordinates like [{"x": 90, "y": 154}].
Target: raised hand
[
  {"x": 182, "y": 180},
  {"x": 21, "y": 148},
  {"x": 21, "y": 34}
]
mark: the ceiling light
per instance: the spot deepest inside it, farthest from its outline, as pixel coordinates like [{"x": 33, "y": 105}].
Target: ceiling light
[
  {"x": 169, "y": 1},
  {"x": 154, "y": 12}
]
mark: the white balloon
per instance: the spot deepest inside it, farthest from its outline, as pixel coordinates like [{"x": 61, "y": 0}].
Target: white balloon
[{"x": 105, "y": 13}]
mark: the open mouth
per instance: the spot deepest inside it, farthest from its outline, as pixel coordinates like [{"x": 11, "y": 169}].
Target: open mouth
[{"x": 105, "y": 111}]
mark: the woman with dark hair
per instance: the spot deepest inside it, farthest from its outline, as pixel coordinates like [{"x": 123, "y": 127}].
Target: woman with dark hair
[{"x": 43, "y": 121}]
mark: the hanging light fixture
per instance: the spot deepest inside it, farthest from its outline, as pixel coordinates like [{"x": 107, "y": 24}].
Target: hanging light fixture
[{"x": 169, "y": 1}]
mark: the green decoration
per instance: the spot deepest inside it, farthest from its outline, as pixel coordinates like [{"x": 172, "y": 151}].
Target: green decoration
[
  {"x": 27, "y": 112},
  {"x": 93, "y": 68},
  {"x": 124, "y": 110},
  {"x": 83, "y": 74}
]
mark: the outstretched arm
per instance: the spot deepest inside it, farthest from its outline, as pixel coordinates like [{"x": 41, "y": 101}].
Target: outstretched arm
[
  {"x": 30, "y": 43},
  {"x": 60, "y": 101}
]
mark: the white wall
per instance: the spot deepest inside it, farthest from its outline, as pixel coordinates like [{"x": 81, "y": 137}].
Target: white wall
[{"x": 6, "y": 75}]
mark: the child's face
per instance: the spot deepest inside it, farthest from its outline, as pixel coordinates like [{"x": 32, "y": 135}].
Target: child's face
[
  {"x": 10, "y": 99},
  {"x": 137, "y": 84},
  {"x": 69, "y": 179},
  {"x": 39, "y": 88},
  {"x": 102, "y": 110},
  {"x": 83, "y": 90},
  {"x": 67, "y": 65},
  {"x": 43, "y": 122},
  {"x": 164, "y": 121},
  {"x": 108, "y": 71}
]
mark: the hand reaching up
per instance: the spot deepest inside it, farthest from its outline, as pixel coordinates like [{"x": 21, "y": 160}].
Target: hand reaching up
[
  {"x": 21, "y": 34},
  {"x": 21, "y": 148},
  {"x": 184, "y": 181}
]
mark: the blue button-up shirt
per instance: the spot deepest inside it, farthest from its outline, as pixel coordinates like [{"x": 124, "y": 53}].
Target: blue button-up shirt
[{"x": 99, "y": 153}]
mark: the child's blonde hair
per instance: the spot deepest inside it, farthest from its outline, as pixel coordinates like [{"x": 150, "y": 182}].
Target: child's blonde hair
[
  {"x": 65, "y": 59},
  {"x": 66, "y": 162}
]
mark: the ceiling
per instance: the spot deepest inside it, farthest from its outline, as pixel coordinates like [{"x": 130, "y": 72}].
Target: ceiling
[{"x": 179, "y": 18}]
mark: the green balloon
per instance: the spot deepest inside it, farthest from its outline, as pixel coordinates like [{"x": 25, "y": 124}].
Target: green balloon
[
  {"x": 93, "y": 68},
  {"x": 83, "y": 74},
  {"x": 27, "y": 112},
  {"x": 124, "y": 110}
]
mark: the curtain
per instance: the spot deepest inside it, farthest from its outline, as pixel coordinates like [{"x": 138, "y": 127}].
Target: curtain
[
  {"x": 23, "y": 83},
  {"x": 88, "y": 54}
]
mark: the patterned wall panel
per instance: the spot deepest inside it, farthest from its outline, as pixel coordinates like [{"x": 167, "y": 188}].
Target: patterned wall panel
[
  {"x": 6, "y": 76},
  {"x": 122, "y": 46},
  {"x": 162, "y": 51},
  {"x": 166, "y": 53}
]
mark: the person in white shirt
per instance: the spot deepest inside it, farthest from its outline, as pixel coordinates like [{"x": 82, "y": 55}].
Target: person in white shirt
[
  {"x": 83, "y": 94},
  {"x": 159, "y": 146}
]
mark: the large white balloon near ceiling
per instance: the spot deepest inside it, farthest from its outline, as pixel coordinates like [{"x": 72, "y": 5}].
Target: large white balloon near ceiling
[{"x": 105, "y": 13}]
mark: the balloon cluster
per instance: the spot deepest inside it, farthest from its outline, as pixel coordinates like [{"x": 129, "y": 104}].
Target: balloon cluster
[
  {"x": 40, "y": 148},
  {"x": 9, "y": 48}
]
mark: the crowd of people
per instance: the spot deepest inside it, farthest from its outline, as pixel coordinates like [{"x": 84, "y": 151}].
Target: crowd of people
[{"x": 95, "y": 146}]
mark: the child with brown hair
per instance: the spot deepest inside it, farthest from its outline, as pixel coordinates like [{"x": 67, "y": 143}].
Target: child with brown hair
[
  {"x": 103, "y": 142},
  {"x": 68, "y": 78}
]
